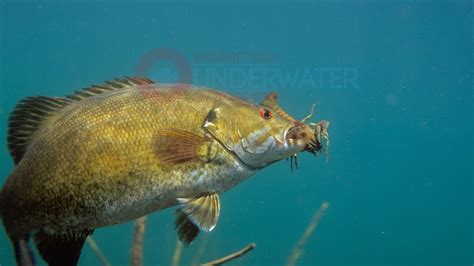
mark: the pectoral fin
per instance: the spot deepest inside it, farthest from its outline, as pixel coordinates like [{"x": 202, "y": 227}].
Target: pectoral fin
[
  {"x": 174, "y": 146},
  {"x": 201, "y": 212}
]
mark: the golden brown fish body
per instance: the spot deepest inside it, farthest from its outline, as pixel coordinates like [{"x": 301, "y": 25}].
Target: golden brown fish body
[{"x": 114, "y": 153}]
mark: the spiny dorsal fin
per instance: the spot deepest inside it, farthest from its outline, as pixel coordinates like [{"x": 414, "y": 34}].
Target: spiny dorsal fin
[
  {"x": 26, "y": 118},
  {"x": 110, "y": 85},
  {"x": 31, "y": 112}
]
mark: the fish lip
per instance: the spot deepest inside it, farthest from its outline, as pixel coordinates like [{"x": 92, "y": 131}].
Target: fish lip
[
  {"x": 286, "y": 133},
  {"x": 282, "y": 142}
]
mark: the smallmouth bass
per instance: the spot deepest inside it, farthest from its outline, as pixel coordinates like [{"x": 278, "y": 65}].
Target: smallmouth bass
[{"x": 115, "y": 152}]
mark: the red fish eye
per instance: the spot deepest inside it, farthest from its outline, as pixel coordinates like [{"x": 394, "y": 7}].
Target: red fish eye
[{"x": 266, "y": 114}]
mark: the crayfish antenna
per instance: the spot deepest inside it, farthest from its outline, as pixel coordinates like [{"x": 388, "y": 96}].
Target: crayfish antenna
[{"x": 313, "y": 107}]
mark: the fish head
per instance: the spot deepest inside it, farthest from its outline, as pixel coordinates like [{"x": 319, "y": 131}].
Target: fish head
[{"x": 259, "y": 135}]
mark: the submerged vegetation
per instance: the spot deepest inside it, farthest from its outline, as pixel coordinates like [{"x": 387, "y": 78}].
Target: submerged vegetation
[{"x": 136, "y": 252}]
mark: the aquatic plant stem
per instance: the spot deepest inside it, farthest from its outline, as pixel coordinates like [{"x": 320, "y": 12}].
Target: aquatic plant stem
[
  {"x": 201, "y": 250},
  {"x": 137, "y": 242},
  {"x": 95, "y": 248},
  {"x": 298, "y": 249},
  {"x": 177, "y": 253},
  {"x": 232, "y": 256}
]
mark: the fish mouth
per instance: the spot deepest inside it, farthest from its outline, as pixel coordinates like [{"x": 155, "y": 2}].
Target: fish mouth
[
  {"x": 313, "y": 138},
  {"x": 282, "y": 141}
]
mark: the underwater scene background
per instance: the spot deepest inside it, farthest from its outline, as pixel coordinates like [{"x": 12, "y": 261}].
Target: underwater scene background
[{"x": 394, "y": 78}]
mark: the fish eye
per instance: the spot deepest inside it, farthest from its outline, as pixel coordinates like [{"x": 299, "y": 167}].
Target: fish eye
[{"x": 266, "y": 114}]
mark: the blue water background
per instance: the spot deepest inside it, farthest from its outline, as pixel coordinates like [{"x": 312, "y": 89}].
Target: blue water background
[{"x": 399, "y": 177}]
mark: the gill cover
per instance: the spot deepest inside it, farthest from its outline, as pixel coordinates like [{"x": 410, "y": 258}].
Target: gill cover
[{"x": 256, "y": 136}]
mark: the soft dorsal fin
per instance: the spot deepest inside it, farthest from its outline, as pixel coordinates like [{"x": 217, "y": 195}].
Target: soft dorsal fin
[{"x": 30, "y": 113}]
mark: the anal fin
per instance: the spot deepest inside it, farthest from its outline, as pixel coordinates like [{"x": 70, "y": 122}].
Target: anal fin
[{"x": 61, "y": 249}]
